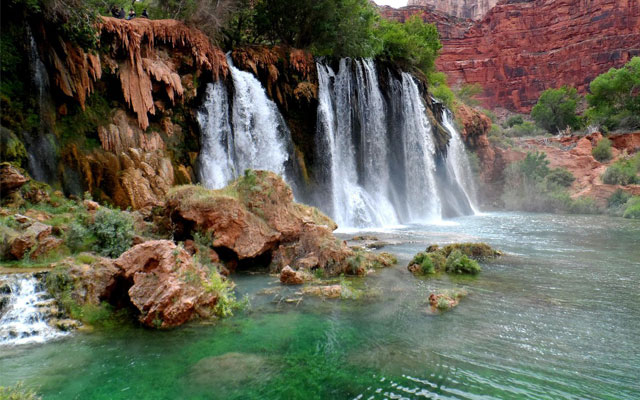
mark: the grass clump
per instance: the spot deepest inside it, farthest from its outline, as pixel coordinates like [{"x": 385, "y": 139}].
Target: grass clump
[
  {"x": 18, "y": 392},
  {"x": 602, "y": 151},
  {"x": 459, "y": 263},
  {"x": 459, "y": 258}
]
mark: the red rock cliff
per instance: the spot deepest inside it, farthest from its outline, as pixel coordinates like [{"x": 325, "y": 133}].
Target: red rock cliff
[{"x": 521, "y": 48}]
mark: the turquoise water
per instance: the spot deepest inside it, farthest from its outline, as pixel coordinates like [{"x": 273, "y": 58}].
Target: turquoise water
[{"x": 557, "y": 318}]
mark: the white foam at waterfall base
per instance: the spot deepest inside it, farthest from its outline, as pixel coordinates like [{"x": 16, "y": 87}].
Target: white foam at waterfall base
[
  {"x": 248, "y": 133},
  {"x": 458, "y": 162},
  {"x": 23, "y": 322}
]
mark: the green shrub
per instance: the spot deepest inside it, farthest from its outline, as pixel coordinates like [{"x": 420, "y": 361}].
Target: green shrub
[
  {"x": 429, "y": 263},
  {"x": 459, "y": 263},
  {"x": 18, "y": 392},
  {"x": 618, "y": 199},
  {"x": 584, "y": 205},
  {"x": 113, "y": 231},
  {"x": 602, "y": 151},
  {"x": 477, "y": 251},
  {"x": 439, "y": 89},
  {"x": 556, "y": 109},
  {"x": 632, "y": 208},
  {"x": 559, "y": 177},
  {"x": 514, "y": 120},
  {"x": 526, "y": 128},
  {"x": 623, "y": 172}
]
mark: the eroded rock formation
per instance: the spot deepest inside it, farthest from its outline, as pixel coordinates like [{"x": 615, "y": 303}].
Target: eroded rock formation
[
  {"x": 521, "y": 48},
  {"x": 160, "y": 281},
  {"x": 255, "y": 221},
  {"x": 135, "y": 55},
  {"x": 473, "y": 9}
]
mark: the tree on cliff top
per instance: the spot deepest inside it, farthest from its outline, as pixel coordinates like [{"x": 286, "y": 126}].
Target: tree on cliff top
[
  {"x": 615, "y": 97},
  {"x": 556, "y": 109}
]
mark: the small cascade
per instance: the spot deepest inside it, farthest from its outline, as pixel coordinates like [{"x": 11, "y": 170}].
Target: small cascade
[
  {"x": 23, "y": 318},
  {"x": 246, "y": 132},
  {"x": 39, "y": 144},
  {"x": 458, "y": 165}
]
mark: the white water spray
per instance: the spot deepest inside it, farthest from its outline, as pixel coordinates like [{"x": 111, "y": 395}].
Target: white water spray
[{"x": 24, "y": 320}]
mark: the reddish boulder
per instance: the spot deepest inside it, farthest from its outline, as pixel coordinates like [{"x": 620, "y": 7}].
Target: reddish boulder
[
  {"x": 256, "y": 216},
  {"x": 290, "y": 277},
  {"x": 168, "y": 287},
  {"x": 11, "y": 179}
]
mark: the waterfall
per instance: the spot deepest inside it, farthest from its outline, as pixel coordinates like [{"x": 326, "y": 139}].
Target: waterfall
[
  {"x": 247, "y": 132},
  {"x": 40, "y": 146},
  {"x": 357, "y": 199},
  {"x": 23, "y": 319},
  {"x": 375, "y": 159},
  {"x": 379, "y": 173},
  {"x": 458, "y": 164}
]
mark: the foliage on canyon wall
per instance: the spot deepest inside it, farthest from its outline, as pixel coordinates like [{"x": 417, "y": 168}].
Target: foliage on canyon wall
[{"x": 614, "y": 101}]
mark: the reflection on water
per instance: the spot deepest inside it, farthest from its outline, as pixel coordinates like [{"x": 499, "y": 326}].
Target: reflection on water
[{"x": 557, "y": 317}]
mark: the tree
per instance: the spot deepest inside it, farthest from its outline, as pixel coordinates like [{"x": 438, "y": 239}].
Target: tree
[
  {"x": 614, "y": 101},
  {"x": 556, "y": 109},
  {"x": 415, "y": 42},
  {"x": 329, "y": 27}
]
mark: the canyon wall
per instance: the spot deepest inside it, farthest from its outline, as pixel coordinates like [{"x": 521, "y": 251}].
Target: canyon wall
[
  {"x": 473, "y": 9},
  {"x": 520, "y": 49}
]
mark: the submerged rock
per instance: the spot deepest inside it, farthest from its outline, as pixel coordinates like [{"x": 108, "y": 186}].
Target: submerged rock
[
  {"x": 290, "y": 277},
  {"x": 231, "y": 371},
  {"x": 446, "y": 300}
]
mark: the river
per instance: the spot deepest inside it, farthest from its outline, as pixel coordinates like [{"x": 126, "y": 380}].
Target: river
[{"x": 557, "y": 317}]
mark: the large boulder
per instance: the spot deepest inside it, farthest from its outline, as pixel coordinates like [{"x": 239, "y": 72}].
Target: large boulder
[
  {"x": 169, "y": 288},
  {"x": 255, "y": 216},
  {"x": 162, "y": 284}
]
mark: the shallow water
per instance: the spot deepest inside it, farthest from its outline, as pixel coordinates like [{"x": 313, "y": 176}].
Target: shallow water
[{"x": 557, "y": 317}]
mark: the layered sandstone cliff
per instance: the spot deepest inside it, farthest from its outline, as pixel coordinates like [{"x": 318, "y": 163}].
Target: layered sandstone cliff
[
  {"x": 521, "y": 48},
  {"x": 473, "y": 9}
]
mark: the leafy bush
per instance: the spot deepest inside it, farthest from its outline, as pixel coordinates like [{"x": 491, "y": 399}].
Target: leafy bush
[
  {"x": 559, "y": 177},
  {"x": 618, "y": 198},
  {"x": 113, "y": 231},
  {"x": 531, "y": 186},
  {"x": 614, "y": 101},
  {"x": 414, "y": 42},
  {"x": 429, "y": 263},
  {"x": 461, "y": 264},
  {"x": 623, "y": 172},
  {"x": 467, "y": 93},
  {"x": 440, "y": 90},
  {"x": 514, "y": 120},
  {"x": 632, "y": 209},
  {"x": 602, "y": 151},
  {"x": 526, "y": 128},
  {"x": 556, "y": 109}
]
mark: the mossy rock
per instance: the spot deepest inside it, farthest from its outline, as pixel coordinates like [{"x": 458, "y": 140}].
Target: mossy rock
[
  {"x": 459, "y": 258},
  {"x": 12, "y": 149}
]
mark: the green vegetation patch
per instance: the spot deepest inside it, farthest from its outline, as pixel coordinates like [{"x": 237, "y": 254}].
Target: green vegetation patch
[
  {"x": 455, "y": 258},
  {"x": 623, "y": 172}
]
